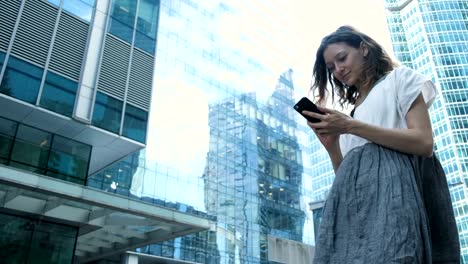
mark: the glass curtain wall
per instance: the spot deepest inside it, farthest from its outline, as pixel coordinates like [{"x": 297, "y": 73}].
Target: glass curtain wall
[
  {"x": 223, "y": 138},
  {"x": 431, "y": 36},
  {"x": 26, "y": 241},
  {"x": 130, "y": 46},
  {"x": 38, "y": 151}
]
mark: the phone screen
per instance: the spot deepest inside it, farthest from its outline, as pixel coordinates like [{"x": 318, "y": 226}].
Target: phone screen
[{"x": 307, "y": 105}]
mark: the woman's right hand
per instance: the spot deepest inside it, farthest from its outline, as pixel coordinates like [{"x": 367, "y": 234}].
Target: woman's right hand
[
  {"x": 330, "y": 142},
  {"x": 329, "y": 133}
]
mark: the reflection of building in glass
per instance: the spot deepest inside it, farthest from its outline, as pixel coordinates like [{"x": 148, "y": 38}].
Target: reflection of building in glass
[
  {"x": 223, "y": 144},
  {"x": 75, "y": 88},
  {"x": 252, "y": 185},
  {"x": 432, "y": 37},
  {"x": 253, "y": 152}
]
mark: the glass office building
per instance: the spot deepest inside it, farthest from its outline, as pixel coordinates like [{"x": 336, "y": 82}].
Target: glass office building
[
  {"x": 75, "y": 91},
  {"x": 431, "y": 36},
  {"x": 223, "y": 139}
]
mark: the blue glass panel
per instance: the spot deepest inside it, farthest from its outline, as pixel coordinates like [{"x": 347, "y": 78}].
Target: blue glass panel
[
  {"x": 122, "y": 19},
  {"x": 55, "y": 2},
  {"x": 31, "y": 149},
  {"x": 145, "y": 43},
  {"x": 2, "y": 58},
  {"x": 135, "y": 123},
  {"x": 21, "y": 80},
  {"x": 147, "y": 25},
  {"x": 107, "y": 113},
  {"x": 16, "y": 237},
  {"x": 52, "y": 243},
  {"x": 58, "y": 94},
  {"x": 69, "y": 160},
  {"x": 121, "y": 30},
  {"x": 26, "y": 240},
  {"x": 80, "y": 8},
  {"x": 7, "y": 134}
]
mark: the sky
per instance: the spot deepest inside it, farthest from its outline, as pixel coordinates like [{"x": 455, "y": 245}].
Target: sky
[{"x": 318, "y": 18}]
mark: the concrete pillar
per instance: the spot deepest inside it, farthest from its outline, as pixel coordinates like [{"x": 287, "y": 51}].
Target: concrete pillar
[
  {"x": 129, "y": 259},
  {"x": 86, "y": 91}
]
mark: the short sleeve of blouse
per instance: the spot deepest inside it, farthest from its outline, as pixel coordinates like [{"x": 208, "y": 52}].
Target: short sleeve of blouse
[{"x": 409, "y": 84}]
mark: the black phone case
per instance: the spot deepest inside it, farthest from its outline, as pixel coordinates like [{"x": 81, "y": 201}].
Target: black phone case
[{"x": 307, "y": 105}]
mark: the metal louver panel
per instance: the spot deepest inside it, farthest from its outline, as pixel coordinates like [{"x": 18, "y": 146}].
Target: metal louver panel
[
  {"x": 8, "y": 14},
  {"x": 69, "y": 46},
  {"x": 114, "y": 67},
  {"x": 35, "y": 30},
  {"x": 141, "y": 77}
]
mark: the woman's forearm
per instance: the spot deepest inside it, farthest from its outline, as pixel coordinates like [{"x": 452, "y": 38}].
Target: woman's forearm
[
  {"x": 411, "y": 141},
  {"x": 336, "y": 157}
]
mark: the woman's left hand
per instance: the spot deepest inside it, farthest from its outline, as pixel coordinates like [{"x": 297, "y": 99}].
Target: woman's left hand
[{"x": 332, "y": 123}]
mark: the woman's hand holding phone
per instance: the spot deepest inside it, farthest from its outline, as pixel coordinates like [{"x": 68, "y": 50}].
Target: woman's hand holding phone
[{"x": 306, "y": 105}]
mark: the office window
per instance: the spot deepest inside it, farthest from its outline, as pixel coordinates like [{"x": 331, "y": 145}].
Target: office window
[
  {"x": 30, "y": 241},
  {"x": 31, "y": 149},
  {"x": 122, "y": 19},
  {"x": 54, "y": 2},
  {"x": 52, "y": 243},
  {"x": 38, "y": 151},
  {"x": 2, "y": 58},
  {"x": 135, "y": 123},
  {"x": 58, "y": 94},
  {"x": 21, "y": 80},
  {"x": 7, "y": 134},
  {"x": 81, "y": 8},
  {"x": 69, "y": 160},
  {"x": 15, "y": 239},
  {"x": 147, "y": 25},
  {"x": 107, "y": 113}
]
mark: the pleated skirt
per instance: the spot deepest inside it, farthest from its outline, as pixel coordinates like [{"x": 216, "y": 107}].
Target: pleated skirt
[{"x": 387, "y": 207}]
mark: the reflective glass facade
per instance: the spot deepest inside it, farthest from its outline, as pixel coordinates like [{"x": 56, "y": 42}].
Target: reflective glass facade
[
  {"x": 42, "y": 63},
  {"x": 223, "y": 139},
  {"x": 125, "y": 81},
  {"x": 25, "y": 240},
  {"x": 58, "y": 94},
  {"x": 21, "y": 80},
  {"x": 431, "y": 36},
  {"x": 38, "y": 151},
  {"x": 107, "y": 112},
  {"x": 126, "y": 21},
  {"x": 33, "y": 71}
]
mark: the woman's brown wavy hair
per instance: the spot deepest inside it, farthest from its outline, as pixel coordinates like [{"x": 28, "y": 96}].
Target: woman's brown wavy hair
[{"x": 377, "y": 63}]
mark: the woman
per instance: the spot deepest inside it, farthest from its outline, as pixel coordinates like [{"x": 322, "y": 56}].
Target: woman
[{"x": 389, "y": 202}]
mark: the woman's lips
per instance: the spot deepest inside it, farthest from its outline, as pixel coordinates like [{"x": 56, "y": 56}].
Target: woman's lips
[{"x": 345, "y": 77}]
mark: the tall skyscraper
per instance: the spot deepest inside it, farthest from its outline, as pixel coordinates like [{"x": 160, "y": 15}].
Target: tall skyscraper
[
  {"x": 75, "y": 92},
  {"x": 431, "y": 36}
]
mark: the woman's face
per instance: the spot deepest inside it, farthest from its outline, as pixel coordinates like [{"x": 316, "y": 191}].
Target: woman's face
[{"x": 345, "y": 62}]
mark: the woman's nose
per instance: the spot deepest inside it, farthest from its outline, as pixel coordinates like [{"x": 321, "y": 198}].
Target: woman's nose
[{"x": 338, "y": 69}]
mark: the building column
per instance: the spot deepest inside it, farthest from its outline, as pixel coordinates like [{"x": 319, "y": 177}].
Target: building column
[
  {"x": 86, "y": 91},
  {"x": 128, "y": 259}
]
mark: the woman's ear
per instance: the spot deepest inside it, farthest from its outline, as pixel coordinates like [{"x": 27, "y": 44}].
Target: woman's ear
[{"x": 364, "y": 49}]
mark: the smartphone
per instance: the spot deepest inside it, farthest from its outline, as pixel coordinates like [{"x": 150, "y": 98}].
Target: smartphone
[{"x": 307, "y": 105}]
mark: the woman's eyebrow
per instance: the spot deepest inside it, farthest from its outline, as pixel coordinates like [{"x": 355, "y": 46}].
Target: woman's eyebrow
[{"x": 338, "y": 54}]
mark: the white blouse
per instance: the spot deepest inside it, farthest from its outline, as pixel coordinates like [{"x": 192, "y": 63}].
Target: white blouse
[{"x": 388, "y": 102}]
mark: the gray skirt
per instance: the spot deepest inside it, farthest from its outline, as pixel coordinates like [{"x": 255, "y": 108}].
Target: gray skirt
[{"x": 387, "y": 207}]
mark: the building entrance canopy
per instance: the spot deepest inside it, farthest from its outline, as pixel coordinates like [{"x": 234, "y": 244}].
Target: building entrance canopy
[
  {"x": 108, "y": 224},
  {"x": 107, "y": 147}
]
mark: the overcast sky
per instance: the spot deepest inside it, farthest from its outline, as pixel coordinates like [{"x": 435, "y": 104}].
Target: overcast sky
[{"x": 317, "y": 18}]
